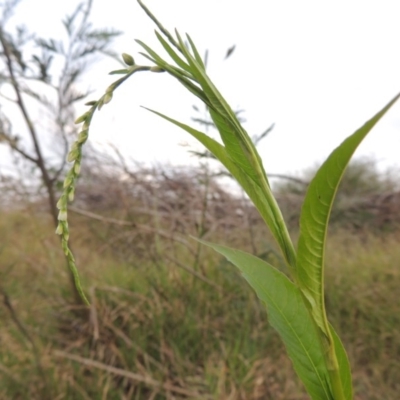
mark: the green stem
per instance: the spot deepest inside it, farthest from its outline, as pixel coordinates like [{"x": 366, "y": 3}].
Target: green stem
[
  {"x": 334, "y": 372},
  {"x": 285, "y": 240},
  {"x": 336, "y": 383}
]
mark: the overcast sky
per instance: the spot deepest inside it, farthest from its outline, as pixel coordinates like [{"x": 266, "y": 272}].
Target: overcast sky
[{"x": 316, "y": 69}]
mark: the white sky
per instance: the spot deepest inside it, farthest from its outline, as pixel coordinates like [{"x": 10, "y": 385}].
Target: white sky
[{"x": 316, "y": 69}]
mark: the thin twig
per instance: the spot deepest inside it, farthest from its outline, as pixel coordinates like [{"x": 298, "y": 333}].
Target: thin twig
[
  {"x": 11, "y": 375},
  {"x": 93, "y": 314},
  {"x": 145, "y": 228},
  {"x": 289, "y": 178},
  {"x": 34, "y": 136},
  {"x": 130, "y": 375},
  {"x": 194, "y": 273},
  {"x": 26, "y": 334}
]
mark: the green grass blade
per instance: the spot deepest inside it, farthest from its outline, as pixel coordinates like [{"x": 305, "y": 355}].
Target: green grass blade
[{"x": 289, "y": 315}]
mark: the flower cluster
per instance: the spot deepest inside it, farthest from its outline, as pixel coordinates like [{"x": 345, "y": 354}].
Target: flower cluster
[{"x": 75, "y": 157}]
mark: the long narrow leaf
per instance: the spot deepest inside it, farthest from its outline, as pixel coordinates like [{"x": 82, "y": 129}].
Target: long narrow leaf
[
  {"x": 233, "y": 146},
  {"x": 289, "y": 315},
  {"x": 196, "y": 53},
  {"x": 209, "y": 88},
  {"x": 240, "y": 149},
  {"x": 172, "y": 53},
  {"x": 253, "y": 190},
  {"x": 183, "y": 76},
  {"x": 313, "y": 228},
  {"x": 237, "y": 142},
  {"x": 315, "y": 215},
  {"x": 221, "y": 108}
]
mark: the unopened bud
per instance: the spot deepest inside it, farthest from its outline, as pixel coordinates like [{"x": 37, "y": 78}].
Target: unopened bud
[
  {"x": 107, "y": 97},
  {"x": 59, "y": 230},
  {"x": 156, "y": 68},
  {"x": 82, "y": 118},
  {"x": 128, "y": 59},
  {"x": 111, "y": 88},
  {"x": 77, "y": 168},
  {"x": 71, "y": 194},
  {"x": 72, "y": 155},
  {"x": 82, "y": 137},
  {"x": 62, "y": 215},
  {"x": 61, "y": 203},
  {"x": 68, "y": 181}
]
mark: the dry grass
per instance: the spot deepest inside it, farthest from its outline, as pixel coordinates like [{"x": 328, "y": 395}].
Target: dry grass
[{"x": 168, "y": 318}]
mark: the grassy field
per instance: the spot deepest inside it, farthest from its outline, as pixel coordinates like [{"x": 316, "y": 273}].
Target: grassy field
[{"x": 172, "y": 320}]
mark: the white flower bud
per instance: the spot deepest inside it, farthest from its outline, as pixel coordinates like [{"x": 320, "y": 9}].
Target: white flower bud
[
  {"x": 60, "y": 229},
  {"x": 62, "y": 215},
  {"x": 77, "y": 168},
  {"x": 72, "y": 155},
  {"x": 71, "y": 194},
  {"x": 61, "y": 203},
  {"x": 68, "y": 181}
]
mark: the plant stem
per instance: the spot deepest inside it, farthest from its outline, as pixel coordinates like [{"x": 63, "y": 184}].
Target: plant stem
[{"x": 336, "y": 382}]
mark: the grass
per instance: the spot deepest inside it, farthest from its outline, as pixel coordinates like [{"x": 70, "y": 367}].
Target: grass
[
  {"x": 369, "y": 319},
  {"x": 157, "y": 331}
]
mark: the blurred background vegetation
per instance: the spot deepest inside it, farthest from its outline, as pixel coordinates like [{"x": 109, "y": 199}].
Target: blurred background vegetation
[{"x": 169, "y": 319}]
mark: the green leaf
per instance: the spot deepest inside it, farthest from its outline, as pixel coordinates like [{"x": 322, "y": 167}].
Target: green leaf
[
  {"x": 237, "y": 141},
  {"x": 315, "y": 215},
  {"x": 172, "y": 53},
  {"x": 241, "y": 150},
  {"x": 289, "y": 315},
  {"x": 265, "y": 206},
  {"x": 234, "y": 146},
  {"x": 238, "y": 145},
  {"x": 183, "y": 76},
  {"x": 313, "y": 229},
  {"x": 119, "y": 72},
  {"x": 196, "y": 53}
]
